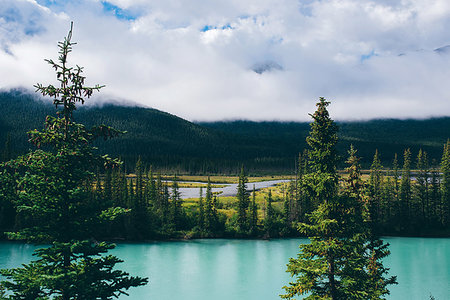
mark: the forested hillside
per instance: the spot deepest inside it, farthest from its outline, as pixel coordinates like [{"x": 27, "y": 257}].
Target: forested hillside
[{"x": 171, "y": 143}]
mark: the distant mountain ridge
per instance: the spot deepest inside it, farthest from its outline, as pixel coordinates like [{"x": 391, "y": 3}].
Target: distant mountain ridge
[{"x": 171, "y": 143}]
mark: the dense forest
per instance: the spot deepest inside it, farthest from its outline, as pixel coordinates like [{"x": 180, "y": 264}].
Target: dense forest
[
  {"x": 408, "y": 196},
  {"x": 171, "y": 144}
]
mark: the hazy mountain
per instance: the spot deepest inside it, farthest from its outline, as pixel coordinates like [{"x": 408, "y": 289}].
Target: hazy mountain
[{"x": 169, "y": 142}]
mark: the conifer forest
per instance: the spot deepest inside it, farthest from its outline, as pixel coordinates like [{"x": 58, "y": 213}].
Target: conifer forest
[{"x": 66, "y": 193}]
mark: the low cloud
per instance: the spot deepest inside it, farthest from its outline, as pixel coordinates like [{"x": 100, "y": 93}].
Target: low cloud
[{"x": 256, "y": 59}]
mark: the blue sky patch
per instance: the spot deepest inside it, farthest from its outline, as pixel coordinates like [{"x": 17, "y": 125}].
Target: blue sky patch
[
  {"x": 368, "y": 56},
  {"x": 211, "y": 27},
  {"x": 227, "y": 26},
  {"x": 120, "y": 13},
  {"x": 45, "y": 2},
  {"x": 207, "y": 28}
]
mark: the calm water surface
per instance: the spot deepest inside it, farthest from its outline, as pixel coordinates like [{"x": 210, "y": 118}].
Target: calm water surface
[{"x": 254, "y": 269}]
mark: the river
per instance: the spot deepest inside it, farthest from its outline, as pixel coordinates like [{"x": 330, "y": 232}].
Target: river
[
  {"x": 228, "y": 189},
  {"x": 254, "y": 269}
]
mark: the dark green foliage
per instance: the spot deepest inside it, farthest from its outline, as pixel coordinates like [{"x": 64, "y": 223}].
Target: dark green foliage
[
  {"x": 210, "y": 211},
  {"x": 435, "y": 196},
  {"x": 243, "y": 199},
  {"x": 320, "y": 183},
  {"x": 201, "y": 211},
  {"x": 375, "y": 189},
  {"x": 421, "y": 188},
  {"x": 405, "y": 192},
  {"x": 177, "y": 213},
  {"x": 253, "y": 215},
  {"x": 342, "y": 261},
  {"x": 269, "y": 220}
]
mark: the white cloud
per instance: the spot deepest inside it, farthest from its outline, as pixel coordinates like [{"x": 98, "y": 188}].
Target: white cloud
[{"x": 195, "y": 59}]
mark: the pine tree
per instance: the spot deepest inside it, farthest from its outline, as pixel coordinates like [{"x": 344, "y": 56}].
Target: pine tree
[
  {"x": 405, "y": 191},
  {"x": 435, "y": 195},
  {"x": 421, "y": 186},
  {"x": 210, "y": 211},
  {"x": 335, "y": 264},
  {"x": 375, "y": 188},
  {"x": 152, "y": 190},
  {"x": 321, "y": 182},
  {"x": 52, "y": 187},
  {"x": 253, "y": 216},
  {"x": 287, "y": 208},
  {"x": 201, "y": 211},
  {"x": 243, "y": 203},
  {"x": 176, "y": 208},
  {"x": 303, "y": 203},
  {"x": 321, "y": 186},
  {"x": 140, "y": 184},
  {"x": 388, "y": 201},
  {"x": 269, "y": 220}
]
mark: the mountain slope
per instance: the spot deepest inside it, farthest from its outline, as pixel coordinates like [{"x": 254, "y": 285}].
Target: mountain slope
[{"x": 169, "y": 142}]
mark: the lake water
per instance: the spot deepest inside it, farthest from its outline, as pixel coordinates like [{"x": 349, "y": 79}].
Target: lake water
[{"x": 254, "y": 269}]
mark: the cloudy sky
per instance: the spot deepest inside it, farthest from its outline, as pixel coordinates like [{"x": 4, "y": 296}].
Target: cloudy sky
[{"x": 246, "y": 59}]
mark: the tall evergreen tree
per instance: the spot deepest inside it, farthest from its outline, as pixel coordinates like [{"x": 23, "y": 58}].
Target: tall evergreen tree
[
  {"x": 210, "y": 211},
  {"x": 405, "y": 195},
  {"x": 243, "y": 199},
  {"x": 176, "y": 207},
  {"x": 269, "y": 220},
  {"x": 335, "y": 264},
  {"x": 287, "y": 208},
  {"x": 317, "y": 275},
  {"x": 375, "y": 188},
  {"x": 321, "y": 182},
  {"x": 53, "y": 193},
  {"x": 421, "y": 189},
  {"x": 388, "y": 201},
  {"x": 201, "y": 211},
  {"x": 152, "y": 190},
  {"x": 435, "y": 195},
  {"x": 253, "y": 218},
  {"x": 374, "y": 249}
]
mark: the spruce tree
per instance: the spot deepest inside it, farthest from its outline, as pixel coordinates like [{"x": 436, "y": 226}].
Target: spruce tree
[
  {"x": 388, "y": 201},
  {"x": 176, "y": 208},
  {"x": 375, "y": 188},
  {"x": 210, "y": 211},
  {"x": 53, "y": 193},
  {"x": 335, "y": 265},
  {"x": 421, "y": 187},
  {"x": 243, "y": 199},
  {"x": 201, "y": 211},
  {"x": 435, "y": 195},
  {"x": 405, "y": 195},
  {"x": 253, "y": 216},
  {"x": 269, "y": 221}
]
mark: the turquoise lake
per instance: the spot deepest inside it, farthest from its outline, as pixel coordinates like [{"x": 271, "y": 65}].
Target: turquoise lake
[{"x": 254, "y": 269}]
